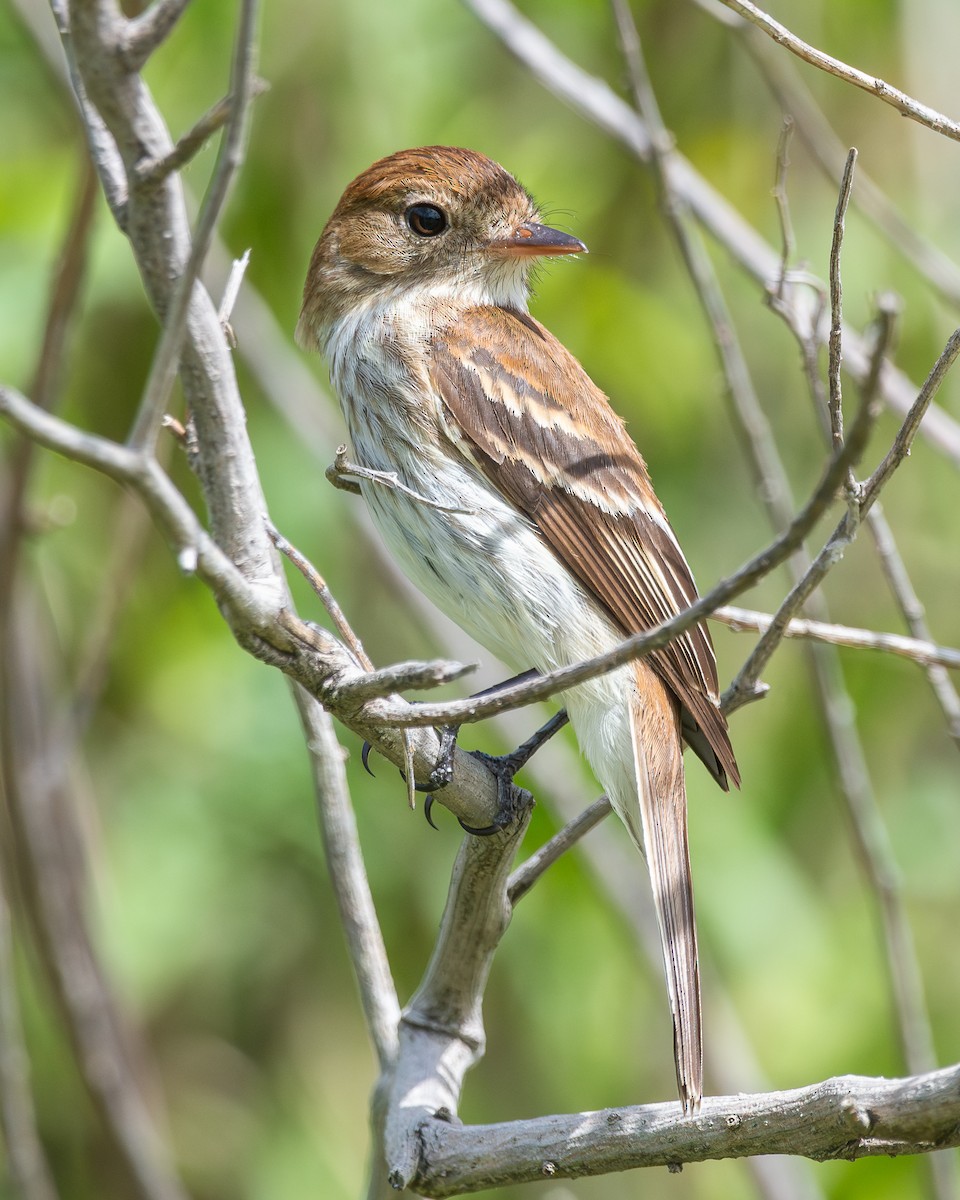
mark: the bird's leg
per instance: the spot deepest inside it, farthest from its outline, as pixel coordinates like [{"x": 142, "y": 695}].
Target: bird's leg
[
  {"x": 442, "y": 771},
  {"x": 504, "y": 768}
]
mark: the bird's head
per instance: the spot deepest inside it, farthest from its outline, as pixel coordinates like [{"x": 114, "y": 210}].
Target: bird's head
[{"x": 444, "y": 221}]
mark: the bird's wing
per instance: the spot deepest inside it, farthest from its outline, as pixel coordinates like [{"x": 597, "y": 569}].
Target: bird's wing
[{"x": 524, "y": 410}]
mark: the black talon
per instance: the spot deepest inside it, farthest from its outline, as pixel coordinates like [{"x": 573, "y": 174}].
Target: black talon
[
  {"x": 427, "y": 806},
  {"x": 364, "y": 756}
]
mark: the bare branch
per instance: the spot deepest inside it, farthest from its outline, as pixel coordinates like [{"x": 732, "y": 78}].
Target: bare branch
[
  {"x": 153, "y": 171},
  {"x": 399, "y": 677},
  {"x": 166, "y": 361},
  {"x": 238, "y": 268},
  {"x": 144, "y": 33},
  {"x": 322, "y": 592},
  {"x": 441, "y": 1033},
  {"x": 848, "y": 1117},
  {"x": 836, "y": 307},
  {"x": 343, "y": 474},
  {"x": 348, "y": 878},
  {"x": 527, "y": 874},
  {"x": 904, "y": 104},
  {"x": 29, "y": 1172},
  {"x": 908, "y": 430},
  {"x": 830, "y": 152},
  {"x": 910, "y": 606},
  {"x": 918, "y": 650}
]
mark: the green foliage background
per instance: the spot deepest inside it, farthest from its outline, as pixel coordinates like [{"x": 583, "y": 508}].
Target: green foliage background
[{"x": 211, "y": 901}]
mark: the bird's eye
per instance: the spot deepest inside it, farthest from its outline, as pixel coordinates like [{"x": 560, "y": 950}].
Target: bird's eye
[{"x": 426, "y": 220}]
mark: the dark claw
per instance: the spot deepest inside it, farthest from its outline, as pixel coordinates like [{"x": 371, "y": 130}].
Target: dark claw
[
  {"x": 364, "y": 756},
  {"x": 486, "y": 831},
  {"x": 427, "y": 806}
]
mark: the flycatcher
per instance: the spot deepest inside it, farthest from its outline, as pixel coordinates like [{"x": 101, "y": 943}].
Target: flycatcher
[{"x": 541, "y": 534}]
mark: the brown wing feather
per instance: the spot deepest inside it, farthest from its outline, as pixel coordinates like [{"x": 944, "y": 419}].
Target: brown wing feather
[{"x": 545, "y": 435}]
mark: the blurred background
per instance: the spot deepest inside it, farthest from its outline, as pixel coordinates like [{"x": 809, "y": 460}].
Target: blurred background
[{"x": 207, "y": 888}]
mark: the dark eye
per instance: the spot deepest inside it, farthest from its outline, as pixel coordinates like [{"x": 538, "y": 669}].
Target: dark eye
[{"x": 425, "y": 220}]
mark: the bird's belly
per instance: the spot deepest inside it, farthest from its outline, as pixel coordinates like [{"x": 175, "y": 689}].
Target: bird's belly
[
  {"x": 485, "y": 565},
  {"x": 491, "y": 573}
]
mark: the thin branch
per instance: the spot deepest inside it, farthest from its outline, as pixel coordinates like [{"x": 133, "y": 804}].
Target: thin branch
[
  {"x": 849, "y": 1117},
  {"x": 788, "y": 241},
  {"x": 238, "y": 268},
  {"x": 911, "y": 608},
  {"x": 145, "y": 33},
  {"x": 342, "y": 474},
  {"x": 167, "y": 358},
  {"x": 919, "y": 650},
  {"x": 836, "y": 306},
  {"x": 904, "y": 104},
  {"x": 795, "y": 98},
  {"x": 908, "y": 430},
  {"x": 398, "y": 677},
  {"x": 189, "y": 144},
  {"x": 527, "y": 874},
  {"x": 322, "y": 592},
  {"x": 29, "y": 1172},
  {"x": 742, "y": 689},
  {"x": 348, "y": 879}
]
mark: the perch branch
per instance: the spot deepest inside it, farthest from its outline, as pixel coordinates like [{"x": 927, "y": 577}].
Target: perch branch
[
  {"x": 441, "y": 1032},
  {"x": 848, "y": 1117}
]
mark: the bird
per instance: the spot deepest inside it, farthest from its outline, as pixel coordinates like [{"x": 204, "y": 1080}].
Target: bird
[{"x": 524, "y": 509}]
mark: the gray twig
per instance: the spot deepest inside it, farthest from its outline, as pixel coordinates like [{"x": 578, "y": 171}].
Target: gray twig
[
  {"x": 27, "y": 1163},
  {"x": 919, "y": 650},
  {"x": 348, "y": 878},
  {"x": 835, "y": 344},
  {"x": 166, "y": 360},
  {"x": 904, "y": 104},
  {"x": 189, "y": 144},
  {"x": 527, "y": 874},
  {"x": 144, "y": 33}
]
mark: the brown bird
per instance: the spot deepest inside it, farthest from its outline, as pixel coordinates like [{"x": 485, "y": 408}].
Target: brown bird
[{"x": 526, "y": 513}]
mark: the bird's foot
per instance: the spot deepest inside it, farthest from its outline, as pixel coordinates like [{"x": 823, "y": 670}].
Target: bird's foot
[{"x": 510, "y": 798}]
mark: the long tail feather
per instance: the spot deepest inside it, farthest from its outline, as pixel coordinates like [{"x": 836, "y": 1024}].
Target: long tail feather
[{"x": 658, "y": 759}]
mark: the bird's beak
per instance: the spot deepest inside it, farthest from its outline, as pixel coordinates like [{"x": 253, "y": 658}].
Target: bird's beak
[{"x": 530, "y": 240}]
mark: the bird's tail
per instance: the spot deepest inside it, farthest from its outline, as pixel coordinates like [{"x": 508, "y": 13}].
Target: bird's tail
[{"x": 658, "y": 761}]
